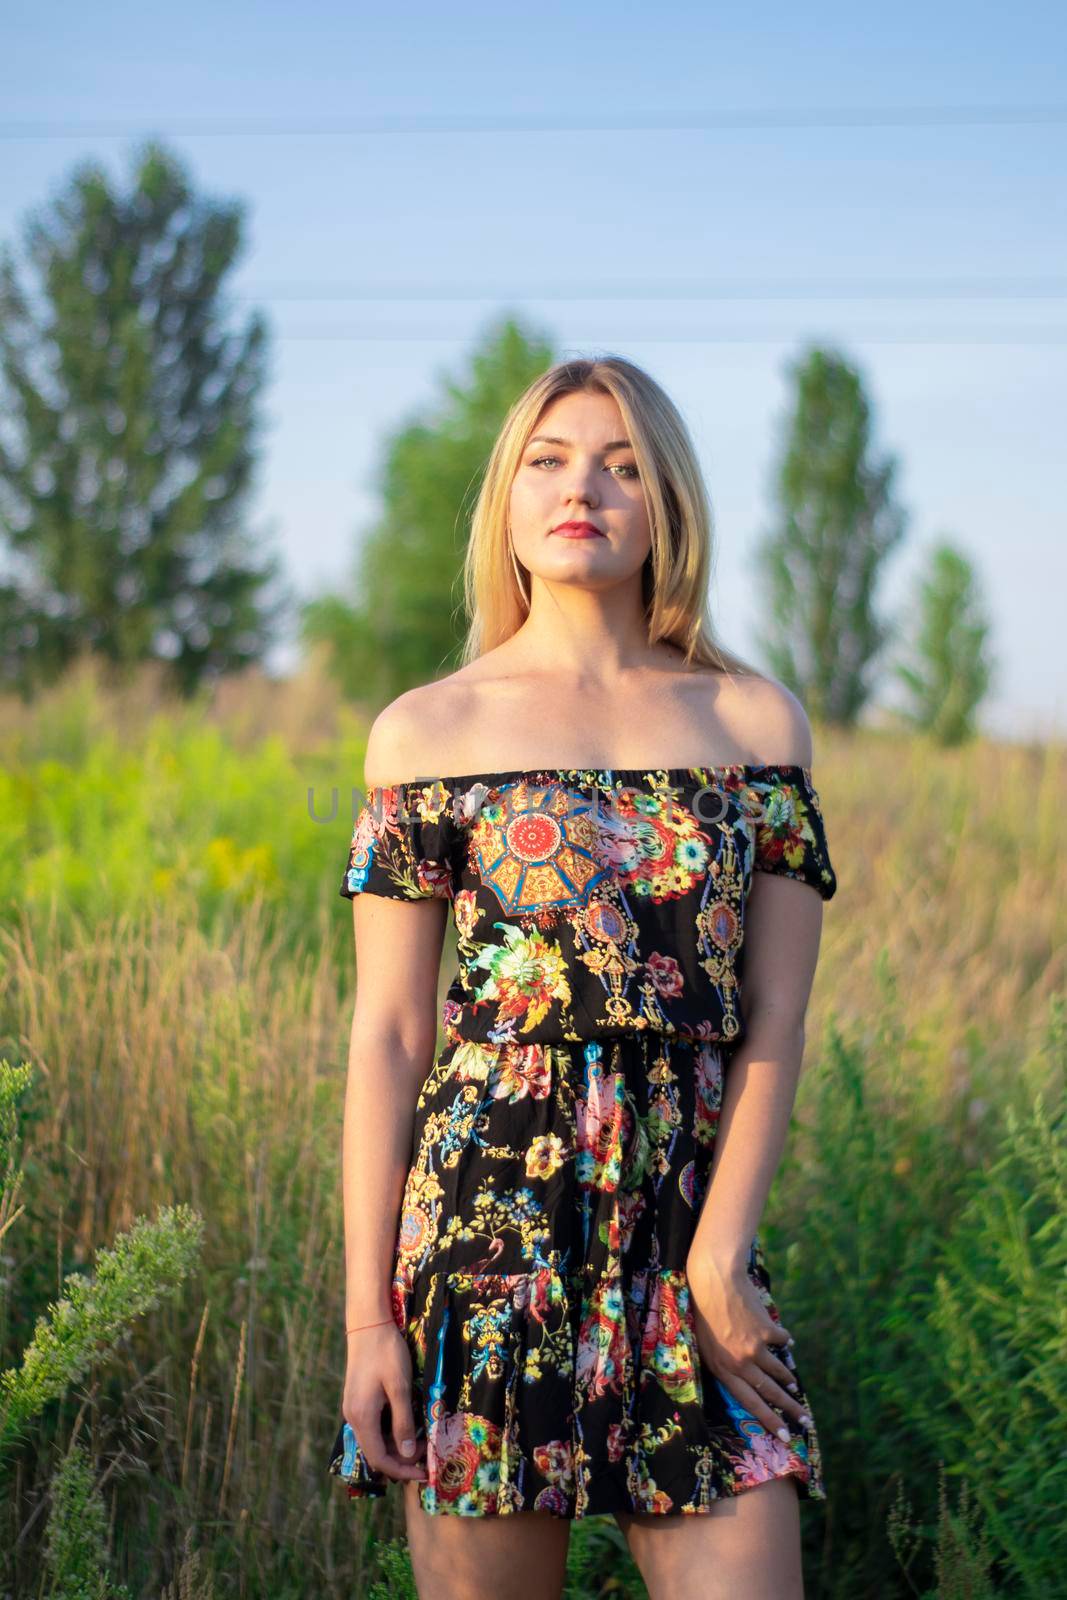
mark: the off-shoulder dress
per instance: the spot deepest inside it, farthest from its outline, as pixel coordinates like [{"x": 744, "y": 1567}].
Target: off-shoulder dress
[{"x": 564, "y": 1132}]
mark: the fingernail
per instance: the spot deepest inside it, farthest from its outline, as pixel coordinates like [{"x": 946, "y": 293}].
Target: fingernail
[
  {"x": 792, "y": 1387},
  {"x": 783, "y": 1434},
  {"x": 804, "y": 1420},
  {"x": 407, "y": 1445}
]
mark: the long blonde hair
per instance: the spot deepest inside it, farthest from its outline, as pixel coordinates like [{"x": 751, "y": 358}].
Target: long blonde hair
[{"x": 677, "y": 572}]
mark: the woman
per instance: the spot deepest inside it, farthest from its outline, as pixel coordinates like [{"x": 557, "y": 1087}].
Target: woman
[{"x": 557, "y": 1303}]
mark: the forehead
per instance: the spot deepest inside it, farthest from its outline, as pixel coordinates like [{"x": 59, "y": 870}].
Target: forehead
[{"x": 580, "y": 418}]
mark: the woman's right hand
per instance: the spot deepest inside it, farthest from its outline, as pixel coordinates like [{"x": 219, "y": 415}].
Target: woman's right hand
[{"x": 379, "y": 1374}]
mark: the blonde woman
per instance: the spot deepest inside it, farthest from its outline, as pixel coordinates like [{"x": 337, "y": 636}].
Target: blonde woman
[{"x": 557, "y": 1304}]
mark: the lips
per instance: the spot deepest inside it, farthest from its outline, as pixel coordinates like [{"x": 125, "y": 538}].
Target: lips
[{"x": 578, "y": 530}]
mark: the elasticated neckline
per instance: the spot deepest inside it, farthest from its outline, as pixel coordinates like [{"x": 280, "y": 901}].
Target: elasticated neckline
[{"x": 609, "y": 777}]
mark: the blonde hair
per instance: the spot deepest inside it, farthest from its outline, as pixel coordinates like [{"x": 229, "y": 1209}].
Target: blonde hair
[{"x": 676, "y": 575}]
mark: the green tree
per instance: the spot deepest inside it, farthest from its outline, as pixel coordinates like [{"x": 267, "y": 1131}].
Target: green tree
[
  {"x": 404, "y": 621},
  {"x": 950, "y": 668},
  {"x": 836, "y": 524},
  {"x": 131, "y": 412}
]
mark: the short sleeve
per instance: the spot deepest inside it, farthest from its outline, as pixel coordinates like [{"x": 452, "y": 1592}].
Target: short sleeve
[
  {"x": 402, "y": 843},
  {"x": 790, "y": 836}
]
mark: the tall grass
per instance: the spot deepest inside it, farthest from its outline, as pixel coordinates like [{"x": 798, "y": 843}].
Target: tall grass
[{"x": 175, "y": 964}]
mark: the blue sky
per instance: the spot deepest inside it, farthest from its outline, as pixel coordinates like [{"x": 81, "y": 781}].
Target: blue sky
[{"x": 930, "y": 249}]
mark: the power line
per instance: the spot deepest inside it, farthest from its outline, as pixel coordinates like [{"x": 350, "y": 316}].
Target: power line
[
  {"x": 680, "y": 289},
  {"x": 957, "y": 336},
  {"x": 531, "y": 122}
]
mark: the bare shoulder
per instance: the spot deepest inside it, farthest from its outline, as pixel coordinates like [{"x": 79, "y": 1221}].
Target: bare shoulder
[
  {"x": 409, "y": 737},
  {"x": 770, "y": 720}
]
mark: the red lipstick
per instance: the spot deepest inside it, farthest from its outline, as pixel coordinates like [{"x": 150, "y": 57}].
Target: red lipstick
[{"x": 579, "y": 530}]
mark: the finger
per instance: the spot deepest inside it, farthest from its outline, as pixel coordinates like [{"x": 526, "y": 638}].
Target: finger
[
  {"x": 781, "y": 1370},
  {"x": 417, "y": 1454},
  {"x": 775, "y": 1333},
  {"x": 749, "y": 1397},
  {"x": 421, "y": 1446},
  {"x": 398, "y": 1465},
  {"x": 778, "y": 1344},
  {"x": 403, "y": 1418},
  {"x": 774, "y": 1395},
  {"x": 367, "y": 1428},
  {"x": 371, "y": 1434}
]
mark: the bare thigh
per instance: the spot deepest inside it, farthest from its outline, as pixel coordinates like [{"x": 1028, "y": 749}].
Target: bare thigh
[
  {"x": 747, "y": 1544},
  {"x": 521, "y": 1556}
]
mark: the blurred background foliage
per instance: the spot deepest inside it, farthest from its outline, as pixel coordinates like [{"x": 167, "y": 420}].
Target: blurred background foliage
[{"x": 134, "y": 414}]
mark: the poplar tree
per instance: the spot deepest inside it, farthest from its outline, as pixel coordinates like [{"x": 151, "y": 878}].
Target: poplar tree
[
  {"x": 403, "y": 619},
  {"x": 128, "y": 439},
  {"x": 949, "y": 666},
  {"x": 837, "y": 521}
]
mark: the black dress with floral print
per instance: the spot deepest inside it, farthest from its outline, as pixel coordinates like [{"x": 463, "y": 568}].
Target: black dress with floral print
[{"x": 563, "y": 1135}]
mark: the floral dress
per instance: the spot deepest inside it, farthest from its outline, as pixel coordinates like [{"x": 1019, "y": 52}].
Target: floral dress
[{"x": 563, "y": 1136}]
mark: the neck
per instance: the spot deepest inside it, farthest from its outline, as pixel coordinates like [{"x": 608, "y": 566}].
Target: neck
[{"x": 593, "y": 637}]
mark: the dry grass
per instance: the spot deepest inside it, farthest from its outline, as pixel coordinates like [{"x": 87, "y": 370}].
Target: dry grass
[{"x": 178, "y": 1064}]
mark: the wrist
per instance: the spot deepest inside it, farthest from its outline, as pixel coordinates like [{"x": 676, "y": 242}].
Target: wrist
[
  {"x": 364, "y": 1311},
  {"x": 360, "y": 1327},
  {"x": 725, "y": 1262}
]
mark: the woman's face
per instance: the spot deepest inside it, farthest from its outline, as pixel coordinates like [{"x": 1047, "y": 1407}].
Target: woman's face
[{"x": 578, "y": 467}]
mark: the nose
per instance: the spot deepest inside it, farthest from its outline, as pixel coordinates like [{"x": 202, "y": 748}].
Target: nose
[{"x": 580, "y": 488}]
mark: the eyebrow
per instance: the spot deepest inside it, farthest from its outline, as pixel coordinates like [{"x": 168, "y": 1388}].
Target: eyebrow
[{"x": 548, "y": 438}]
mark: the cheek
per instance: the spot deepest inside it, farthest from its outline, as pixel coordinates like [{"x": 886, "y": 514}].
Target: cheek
[
  {"x": 529, "y": 489},
  {"x": 639, "y": 523},
  {"x": 530, "y": 512}
]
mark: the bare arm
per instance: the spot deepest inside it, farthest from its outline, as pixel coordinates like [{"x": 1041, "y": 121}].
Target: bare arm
[
  {"x": 398, "y": 945},
  {"x": 391, "y": 1044},
  {"x": 783, "y": 925},
  {"x": 782, "y": 934}
]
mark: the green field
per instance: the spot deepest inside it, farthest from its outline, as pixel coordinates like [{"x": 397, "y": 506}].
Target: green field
[{"x": 176, "y": 968}]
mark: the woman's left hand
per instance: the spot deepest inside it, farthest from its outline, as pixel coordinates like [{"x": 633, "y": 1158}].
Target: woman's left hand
[{"x": 735, "y": 1335}]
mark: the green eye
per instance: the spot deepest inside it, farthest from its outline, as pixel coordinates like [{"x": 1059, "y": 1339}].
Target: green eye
[{"x": 621, "y": 466}]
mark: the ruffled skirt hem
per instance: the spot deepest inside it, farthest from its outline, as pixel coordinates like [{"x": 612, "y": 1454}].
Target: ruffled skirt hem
[
  {"x": 576, "y": 1395},
  {"x": 367, "y": 1485}
]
